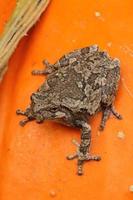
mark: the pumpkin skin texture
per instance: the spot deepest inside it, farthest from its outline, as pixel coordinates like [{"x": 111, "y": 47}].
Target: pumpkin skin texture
[{"x": 32, "y": 159}]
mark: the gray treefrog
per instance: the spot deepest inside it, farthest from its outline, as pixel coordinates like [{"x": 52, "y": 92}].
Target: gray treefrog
[{"x": 80, "y": 84}]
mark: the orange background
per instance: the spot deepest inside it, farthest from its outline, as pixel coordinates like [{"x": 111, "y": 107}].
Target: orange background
[{"x": 32, "y": 159}]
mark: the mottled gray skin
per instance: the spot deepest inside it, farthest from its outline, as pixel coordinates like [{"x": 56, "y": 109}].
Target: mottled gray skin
[{"x": 78, "y": 85}]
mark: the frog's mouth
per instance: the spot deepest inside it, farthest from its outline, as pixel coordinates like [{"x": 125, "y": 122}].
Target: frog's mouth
[{"x": 29, "y": 116}]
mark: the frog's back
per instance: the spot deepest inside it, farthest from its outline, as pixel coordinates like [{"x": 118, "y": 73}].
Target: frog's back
[{"x": 78, "y": 85}]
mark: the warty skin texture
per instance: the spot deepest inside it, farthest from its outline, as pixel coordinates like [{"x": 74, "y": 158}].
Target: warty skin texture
[{"x": 80, "y": 84}]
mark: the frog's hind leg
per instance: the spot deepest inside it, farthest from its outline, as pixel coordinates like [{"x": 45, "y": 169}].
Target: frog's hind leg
[
  {"x": 82, "y": 153},
  {"x": 106, "y": 114}
]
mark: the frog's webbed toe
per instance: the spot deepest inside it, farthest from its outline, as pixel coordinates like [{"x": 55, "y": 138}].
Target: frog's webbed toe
[
  {"x": 48, "y": 70},
  {"x": 24, "y": 113},
  {"x": 106, "y": 112},
  {"x": 83, "y": 149},
  {"x": 82, "y": 158}
]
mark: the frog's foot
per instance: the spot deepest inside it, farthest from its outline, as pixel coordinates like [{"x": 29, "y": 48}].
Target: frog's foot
[
  {"x": 82, "y": 158},
  {"x": 24, "y": 122},
  {"x": 106, "y": 114},
  {"x": 20, "y": 112},
  {"x": 47, "y": 70},
  {"x": 25, "y": 113},
  {"x": 41, "y": 72},
  {"x": 115, "y": 113}
]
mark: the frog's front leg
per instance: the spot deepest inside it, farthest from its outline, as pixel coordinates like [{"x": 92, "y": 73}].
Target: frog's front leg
[
  {"x": 48, "y": 70},
  {"x": 83, "y": 153},
  {"x": 62, "y": 62},
  {"x": 26, "y": 113}
]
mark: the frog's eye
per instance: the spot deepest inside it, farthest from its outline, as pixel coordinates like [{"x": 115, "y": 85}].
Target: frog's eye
[{"x": 53, "y": 110}]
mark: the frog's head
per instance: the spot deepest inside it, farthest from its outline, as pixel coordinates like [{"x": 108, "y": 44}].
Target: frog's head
[{"x": 40, "y": 109}]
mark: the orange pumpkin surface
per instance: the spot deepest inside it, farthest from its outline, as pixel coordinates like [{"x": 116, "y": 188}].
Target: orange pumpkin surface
[{"x": 33, "y": 163}]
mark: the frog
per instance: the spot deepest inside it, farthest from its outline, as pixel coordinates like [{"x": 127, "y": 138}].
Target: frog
[{"x": 78, "y": 85}]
